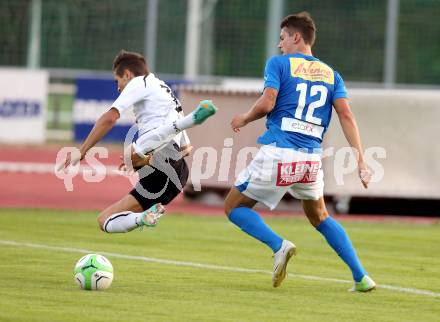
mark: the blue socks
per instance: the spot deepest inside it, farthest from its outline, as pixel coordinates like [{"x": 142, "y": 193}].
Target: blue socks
[
  {"x": 338, "y": 239},
  {"x": 251, "y": 223}
]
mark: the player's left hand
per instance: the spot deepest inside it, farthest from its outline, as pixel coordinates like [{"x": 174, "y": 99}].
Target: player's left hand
[
  {"x": 123, "y": 167},
  {"x": 186, "y": 150},
  {"x": 237, "y": 122},
  {"x": 136, "y": 160},
  {"x": 365, "y": 174}
]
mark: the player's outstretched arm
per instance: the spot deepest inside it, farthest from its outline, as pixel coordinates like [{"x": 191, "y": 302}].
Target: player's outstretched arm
[
  {"x": 102, "y": 126},
  {"x": 261, "y": 107},
  {"x": 351, "y": 132}
]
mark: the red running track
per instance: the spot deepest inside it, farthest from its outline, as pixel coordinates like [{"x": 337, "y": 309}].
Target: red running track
[{"x": 20, "y": 189}]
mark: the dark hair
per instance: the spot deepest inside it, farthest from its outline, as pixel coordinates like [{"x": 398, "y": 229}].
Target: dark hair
[
  {"x": 303, "y": 23},
  {"x": 134, "y": 62}
]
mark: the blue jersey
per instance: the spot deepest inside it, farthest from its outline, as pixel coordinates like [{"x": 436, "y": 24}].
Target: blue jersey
[{"x": 307, "y": 89}]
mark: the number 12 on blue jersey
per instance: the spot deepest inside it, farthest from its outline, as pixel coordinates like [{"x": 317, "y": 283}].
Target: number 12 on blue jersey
[{"x": 315, "y": 90}]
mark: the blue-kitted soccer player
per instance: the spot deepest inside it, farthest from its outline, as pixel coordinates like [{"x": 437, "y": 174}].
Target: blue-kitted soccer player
[{"x": 299, "y": 92}]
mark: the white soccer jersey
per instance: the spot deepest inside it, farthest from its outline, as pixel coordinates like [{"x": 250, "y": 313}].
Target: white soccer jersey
[{"x": 153, "y": 103}]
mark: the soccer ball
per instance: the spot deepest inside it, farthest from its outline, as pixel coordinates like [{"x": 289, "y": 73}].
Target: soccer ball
[{"x": 93, "y": 272}]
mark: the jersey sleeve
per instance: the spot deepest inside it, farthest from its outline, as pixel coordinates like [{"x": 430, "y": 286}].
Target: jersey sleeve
[
  {"x": 340, "y": 90},
  {"x": 133, "y": 92},
  {"x": 272, "y": 73}
]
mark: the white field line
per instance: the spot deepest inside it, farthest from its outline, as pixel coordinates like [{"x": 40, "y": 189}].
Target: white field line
[
  {"x": 206, "y": 266},
  {"x": 44, "y": 168}
]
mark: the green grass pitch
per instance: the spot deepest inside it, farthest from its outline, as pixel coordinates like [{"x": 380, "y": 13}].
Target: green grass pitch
[{"x": 37, "y": 283}]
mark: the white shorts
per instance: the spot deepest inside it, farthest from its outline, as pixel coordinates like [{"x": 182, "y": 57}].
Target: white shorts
[{"x": 274, "y": 171}]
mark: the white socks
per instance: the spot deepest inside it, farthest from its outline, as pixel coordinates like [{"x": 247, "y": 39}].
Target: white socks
[
  {"x": 186, "y": 122},
  {"x": 155, "y": 139},
  {"x": 122, "y": 222},
  {"x": 161, "y": 136}
]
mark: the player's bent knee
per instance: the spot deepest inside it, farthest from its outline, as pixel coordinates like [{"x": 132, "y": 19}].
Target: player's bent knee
[
  {"x": 236, "y": 199},
  {"x": 319, "y": 218},
  {"x": 315, "y": 211},
  {"x": 101, "y": 221},
  {"x": 227, "y": 208}
]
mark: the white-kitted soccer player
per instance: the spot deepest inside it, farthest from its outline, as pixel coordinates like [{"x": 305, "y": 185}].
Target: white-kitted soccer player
[{"x": 158, "y": 152}]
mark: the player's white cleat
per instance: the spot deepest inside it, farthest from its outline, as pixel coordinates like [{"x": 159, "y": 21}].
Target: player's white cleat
[
  {"x": 365, "y": 285},
  {"x": 281, "y": 258},
  {"x": 151, "y": 216}
]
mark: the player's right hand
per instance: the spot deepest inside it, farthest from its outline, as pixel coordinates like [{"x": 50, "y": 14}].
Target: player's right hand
[
  {"x": 237, "y": 122},
  {"x": 365, "y": 174},
  {"x": 72, "y": 159}
]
